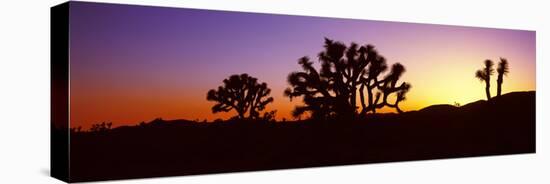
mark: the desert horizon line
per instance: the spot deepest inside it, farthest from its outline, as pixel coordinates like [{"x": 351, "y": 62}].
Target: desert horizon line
[{"x": 206, "y": 120}]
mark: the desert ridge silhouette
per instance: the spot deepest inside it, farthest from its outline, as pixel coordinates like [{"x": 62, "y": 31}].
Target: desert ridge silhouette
[{"x": 182, "y": 147}]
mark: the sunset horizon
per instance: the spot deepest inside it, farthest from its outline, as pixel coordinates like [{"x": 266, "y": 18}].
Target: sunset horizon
[{"x": 142, "y": 63}]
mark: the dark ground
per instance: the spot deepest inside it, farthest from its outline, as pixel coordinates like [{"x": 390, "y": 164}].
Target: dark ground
[{"x": 505, "y": 125}]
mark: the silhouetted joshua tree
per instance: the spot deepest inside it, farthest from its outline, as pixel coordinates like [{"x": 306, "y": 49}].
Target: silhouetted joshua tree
[
  {"x": 345, "y": 71},
  {"x": 241, "y": 93},
  {"x": 485, "y": 75},
  {"x": 502, "y": 69}
]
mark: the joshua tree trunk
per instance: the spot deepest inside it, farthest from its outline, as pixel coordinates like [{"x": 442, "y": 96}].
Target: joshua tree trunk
[
  {"x": 487, "y": 91},
  {"x": 499, "y": 85},
  {"x": 362, "y": 96},
  {"x": 241, "y": 113},
  {"x": 353, "y": 100},
  {"x": 372, "y": 102}
]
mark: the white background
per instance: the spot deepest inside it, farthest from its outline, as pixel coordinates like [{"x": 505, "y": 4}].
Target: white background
[{"x": 24, "y": 90}]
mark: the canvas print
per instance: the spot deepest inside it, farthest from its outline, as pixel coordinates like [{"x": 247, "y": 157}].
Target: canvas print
[{"x": 142, "y": 91}]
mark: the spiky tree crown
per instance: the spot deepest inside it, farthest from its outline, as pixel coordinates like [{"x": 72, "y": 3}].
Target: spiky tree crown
[{"x": 242, "y": 93}]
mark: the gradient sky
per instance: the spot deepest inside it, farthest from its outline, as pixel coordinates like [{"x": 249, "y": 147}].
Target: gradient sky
[{"x": 136, "y": 63}]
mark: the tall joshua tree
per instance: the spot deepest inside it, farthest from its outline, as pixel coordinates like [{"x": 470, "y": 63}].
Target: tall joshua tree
[
  {"x": 484, "y": 75},
  {"x": 502, "y": 69},
  {"x": 345, "y": 71},
  {"x": 241, "y": 93}
]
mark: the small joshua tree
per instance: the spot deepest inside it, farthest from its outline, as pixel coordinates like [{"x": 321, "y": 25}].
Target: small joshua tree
[
  {"x": 241, "y": 93},
  {"x": 484, "y": 75},
  {"x": 502, "y": 69}
]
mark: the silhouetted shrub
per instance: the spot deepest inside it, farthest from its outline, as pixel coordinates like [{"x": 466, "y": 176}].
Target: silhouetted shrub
[
  {"x": 101, "y": 127},
  {"x": 76, "y": 129},
  {"x": 269, "y": 116}
]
